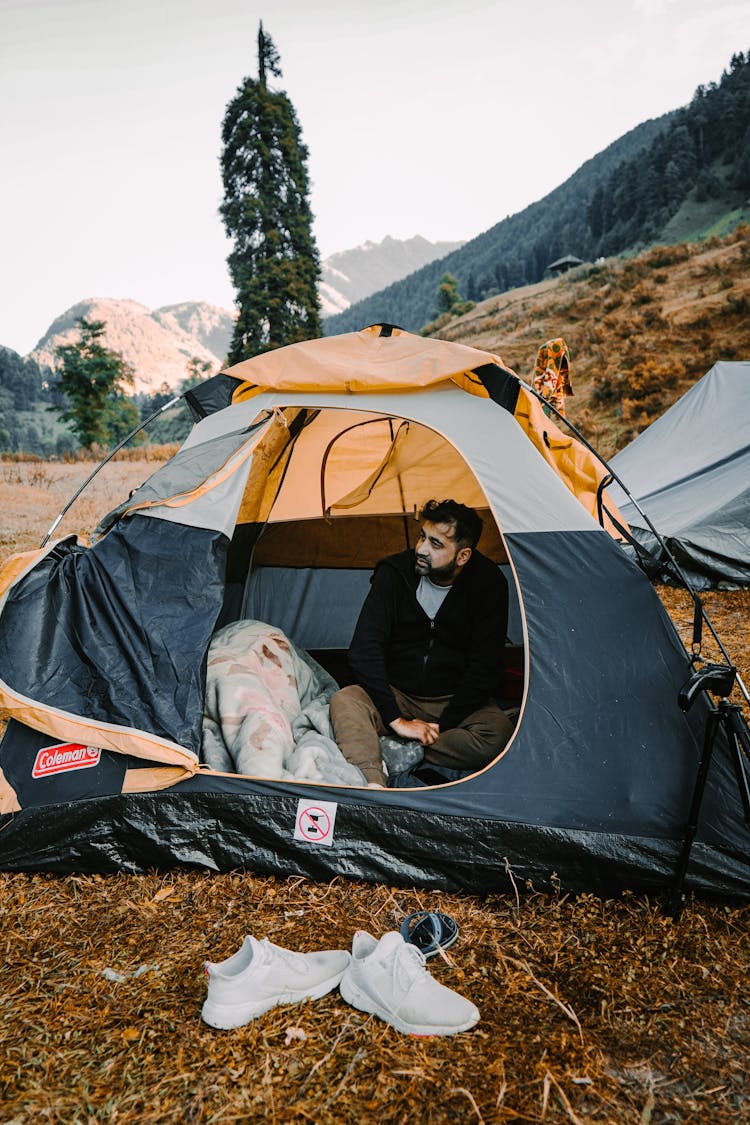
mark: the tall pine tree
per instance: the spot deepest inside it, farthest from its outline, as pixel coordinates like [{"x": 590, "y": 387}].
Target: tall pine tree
[{"x": 275, "y": 264}]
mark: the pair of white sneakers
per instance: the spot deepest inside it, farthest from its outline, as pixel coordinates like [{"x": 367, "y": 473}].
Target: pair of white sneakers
[{"x": 385, "y": 977}]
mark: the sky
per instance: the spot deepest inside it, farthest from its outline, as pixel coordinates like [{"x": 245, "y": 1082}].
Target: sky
[{"x": 430, "y": 117}]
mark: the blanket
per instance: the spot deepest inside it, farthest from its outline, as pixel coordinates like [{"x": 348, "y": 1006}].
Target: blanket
[{"x": 266, "y": 710}]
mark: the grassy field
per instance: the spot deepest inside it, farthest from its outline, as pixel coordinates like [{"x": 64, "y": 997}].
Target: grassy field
[{"x": 592, "y": 1011}]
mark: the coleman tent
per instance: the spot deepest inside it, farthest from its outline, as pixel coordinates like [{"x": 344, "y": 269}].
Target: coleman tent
[
  {"x": 690, "y": 474},
  {"x": 309, "y": 464}
]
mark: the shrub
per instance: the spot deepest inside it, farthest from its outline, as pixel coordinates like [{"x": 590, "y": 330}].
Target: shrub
[
  {"x": 641, "y": 295},
  {"x": 738, "y": 304},
  {"x": 669, "y": 255},
  {"x": 640, "y": 385},
  {"x": 652, "y": 318}
]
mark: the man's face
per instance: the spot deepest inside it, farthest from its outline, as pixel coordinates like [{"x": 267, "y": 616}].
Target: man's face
[{"x": 437, "y": 555}]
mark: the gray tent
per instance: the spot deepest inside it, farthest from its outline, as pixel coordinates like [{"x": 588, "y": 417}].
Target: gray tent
[{"x": 690, "y": 473}]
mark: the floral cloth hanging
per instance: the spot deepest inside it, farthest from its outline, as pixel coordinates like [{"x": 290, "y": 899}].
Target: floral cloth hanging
[{"x": 552, "y": 374}]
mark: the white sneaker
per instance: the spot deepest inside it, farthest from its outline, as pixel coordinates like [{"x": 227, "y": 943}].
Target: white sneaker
[
  {"x": 261, "y": 975},
  {"x": 388, "y": 978}
]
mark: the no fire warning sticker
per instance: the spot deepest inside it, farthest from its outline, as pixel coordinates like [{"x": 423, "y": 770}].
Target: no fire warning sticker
[{"x": 315, "y": 821}]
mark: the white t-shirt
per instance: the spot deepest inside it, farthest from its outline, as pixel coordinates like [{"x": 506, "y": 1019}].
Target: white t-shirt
[{"x": 430, "y": 596}]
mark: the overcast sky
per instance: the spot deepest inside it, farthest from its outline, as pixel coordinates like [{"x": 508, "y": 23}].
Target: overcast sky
[{"x": 431, "y": 117}]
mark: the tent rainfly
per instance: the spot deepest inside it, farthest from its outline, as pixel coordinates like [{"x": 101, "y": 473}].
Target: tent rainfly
[
  {"x": 690, "y": 474},
  {"x": 308, "y": 464}
]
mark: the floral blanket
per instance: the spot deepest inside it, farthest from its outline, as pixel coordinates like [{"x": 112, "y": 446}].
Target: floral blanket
[{"x": 266, "y": 710}]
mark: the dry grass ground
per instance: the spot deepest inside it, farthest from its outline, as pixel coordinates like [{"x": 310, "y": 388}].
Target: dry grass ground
[
  {"x": 592, "y": 1011},
  {"x": 33, "y": 493}
]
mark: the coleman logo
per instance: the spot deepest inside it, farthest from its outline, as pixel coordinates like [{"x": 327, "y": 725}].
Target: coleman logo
[{"x": 67, "y": 756}]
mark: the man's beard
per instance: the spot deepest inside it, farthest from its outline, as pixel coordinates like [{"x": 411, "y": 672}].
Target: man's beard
[{"x": 437, "y": 574}]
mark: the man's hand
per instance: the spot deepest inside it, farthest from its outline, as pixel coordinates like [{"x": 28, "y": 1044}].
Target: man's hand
[{"x": 417, "y": 729}]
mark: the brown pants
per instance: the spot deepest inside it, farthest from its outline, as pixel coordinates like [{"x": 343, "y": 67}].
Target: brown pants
[{"x": 357, "y": 727}]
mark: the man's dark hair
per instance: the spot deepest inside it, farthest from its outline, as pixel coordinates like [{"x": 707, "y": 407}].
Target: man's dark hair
[{"x": 467, "y": 524}]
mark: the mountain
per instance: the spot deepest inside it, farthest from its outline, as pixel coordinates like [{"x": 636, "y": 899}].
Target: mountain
[
  {"x": 158, "y": 344},
  {"x": 641, "y": 331},
  {"x": 666, "y": 180},
  {"x": 211, "y": 325},
  {"x": 513, "y": 252},
  {"x": 352, "y": 275}
]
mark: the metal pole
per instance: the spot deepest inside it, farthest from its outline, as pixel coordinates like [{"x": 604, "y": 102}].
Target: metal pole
[{"x": 101, "y": 465}]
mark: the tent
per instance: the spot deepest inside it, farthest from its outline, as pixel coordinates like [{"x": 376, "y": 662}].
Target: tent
[
  {"x": 690, "y": 474},
  {"x": 309, "y": 464}
]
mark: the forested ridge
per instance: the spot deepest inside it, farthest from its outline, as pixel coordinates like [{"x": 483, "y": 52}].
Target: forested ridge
[
  {"x": 689, "y": 166},
  {"x": 32, "y": 403},
  {"x": 29, "y": 408}
]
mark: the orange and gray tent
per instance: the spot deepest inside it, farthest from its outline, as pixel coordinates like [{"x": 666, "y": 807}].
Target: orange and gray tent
[{"x": 307, "y": 465}]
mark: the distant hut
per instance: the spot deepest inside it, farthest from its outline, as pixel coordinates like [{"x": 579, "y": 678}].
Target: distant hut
[{"x": 562, "y": 265}]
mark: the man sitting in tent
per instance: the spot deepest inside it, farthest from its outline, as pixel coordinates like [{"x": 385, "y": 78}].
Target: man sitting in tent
[{"x": 427, "y": 651}]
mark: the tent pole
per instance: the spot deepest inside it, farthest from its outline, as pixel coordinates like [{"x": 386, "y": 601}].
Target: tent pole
[
  {"x": 110, "y": 455},
  {"x": 602, "y": 461},
  {"x": 699, "y": 607},
  {"x": 718, "y": 680},
  {"x": 401, "y": 493}
]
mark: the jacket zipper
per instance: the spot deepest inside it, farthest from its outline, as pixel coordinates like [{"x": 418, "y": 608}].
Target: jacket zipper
[
  {"x": 426, "y": 656},
  {"x": 431, "y": 641}
]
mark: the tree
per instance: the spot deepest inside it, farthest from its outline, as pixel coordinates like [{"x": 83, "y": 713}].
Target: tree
[
  {"x": 448, "y": 303},
  {"x": 447, "y": 294},
  {"x": 92, "y": 378},
  {"x": 448, "y": 299},
  {"x": 275, "y": 264},
  {"x": 198, "y": 370},
  {"x": 175, "y": 424}
]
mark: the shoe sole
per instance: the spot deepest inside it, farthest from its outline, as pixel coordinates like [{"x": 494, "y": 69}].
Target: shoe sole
[
  {"x": 226, "y": 1017},
  {"x": 354, "y": 995}
]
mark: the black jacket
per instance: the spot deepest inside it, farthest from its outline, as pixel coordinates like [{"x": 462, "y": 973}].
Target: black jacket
[{"x": 459, "y": 654}]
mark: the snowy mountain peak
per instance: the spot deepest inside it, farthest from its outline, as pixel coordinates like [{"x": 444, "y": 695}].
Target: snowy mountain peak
[{"x": 352, "y": 275}]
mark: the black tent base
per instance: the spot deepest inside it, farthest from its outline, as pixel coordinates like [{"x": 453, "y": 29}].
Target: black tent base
[{"x": 141, "y": 833}]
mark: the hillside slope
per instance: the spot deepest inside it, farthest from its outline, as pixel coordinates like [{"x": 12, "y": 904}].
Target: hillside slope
[
  {"x": 641, "y": 331},
  {"x": 513, "y": 252},
  {"x": 666, "y": 180}
]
